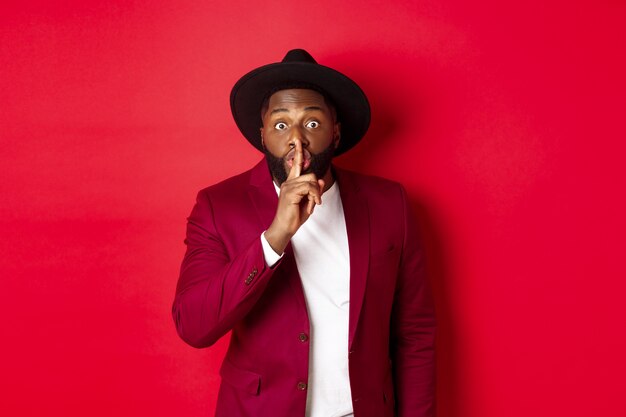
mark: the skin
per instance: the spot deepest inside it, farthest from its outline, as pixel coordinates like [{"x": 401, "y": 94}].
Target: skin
[{"x": 297, "y": 119}]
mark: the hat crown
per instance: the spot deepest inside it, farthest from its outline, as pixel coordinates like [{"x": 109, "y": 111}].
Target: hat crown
[{"x": 299, "y": 55}]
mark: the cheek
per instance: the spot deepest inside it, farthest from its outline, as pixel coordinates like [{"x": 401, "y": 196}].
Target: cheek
[
  {"x": 272, "y": 143},
  {"x": 320, "y": 140}
]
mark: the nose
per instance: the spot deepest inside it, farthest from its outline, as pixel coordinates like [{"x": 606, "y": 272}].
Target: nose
[{"x": 297, "y": 134}]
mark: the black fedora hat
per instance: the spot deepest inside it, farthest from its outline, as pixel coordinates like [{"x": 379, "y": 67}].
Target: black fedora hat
[{"x": 298, "y": 68}]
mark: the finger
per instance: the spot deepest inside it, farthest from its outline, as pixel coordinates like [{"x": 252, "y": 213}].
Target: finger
[
  {"x": 296, "y": 166},
  {"x": 307, "y": 190},
  {"x": 310, "y": 206},
  {"x": 295, "y": 193},
  {"x": 310, "y": 177},
  {"x": 302, "y": 188},
  {"x": 314, "y": 194},
  {"x": 303, "y": 178}
]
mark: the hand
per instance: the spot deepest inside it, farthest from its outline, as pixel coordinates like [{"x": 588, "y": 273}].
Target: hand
[{"x": 298, "y": 196}]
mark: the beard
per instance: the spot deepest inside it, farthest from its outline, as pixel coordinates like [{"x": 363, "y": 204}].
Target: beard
[{"x": 320, "y": 163}]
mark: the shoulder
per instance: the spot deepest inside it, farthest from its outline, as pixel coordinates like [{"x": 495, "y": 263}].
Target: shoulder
[
  {"x": 384, "y": 198},
  {"x": 370, "y": 185},
  {"x": 233, "y": 187},
  {"x": 228, "y": 185}
]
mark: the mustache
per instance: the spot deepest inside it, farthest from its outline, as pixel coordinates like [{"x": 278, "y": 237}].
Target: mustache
[{"x": 320, "y": 163}]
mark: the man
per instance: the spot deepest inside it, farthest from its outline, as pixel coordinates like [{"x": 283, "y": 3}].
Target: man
[{"x": 316, "y": 270}]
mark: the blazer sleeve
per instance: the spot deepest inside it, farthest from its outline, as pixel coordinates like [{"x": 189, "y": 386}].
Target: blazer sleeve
[
  {"x": 413, "y": 329},
  {"x": 215, "y": 291}
]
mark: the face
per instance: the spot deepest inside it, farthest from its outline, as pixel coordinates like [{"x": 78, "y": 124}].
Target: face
[{"x": 299, "y": 115}]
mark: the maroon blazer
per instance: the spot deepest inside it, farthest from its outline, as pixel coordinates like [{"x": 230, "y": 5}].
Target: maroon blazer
[{"x": 225, "y": 285}]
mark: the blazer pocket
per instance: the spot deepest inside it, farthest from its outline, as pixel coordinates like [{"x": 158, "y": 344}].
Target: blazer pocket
[{"x": 247, "y": 381}]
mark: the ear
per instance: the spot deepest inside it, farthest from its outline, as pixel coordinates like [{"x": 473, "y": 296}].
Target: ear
[{"x": 337, "y": 134}]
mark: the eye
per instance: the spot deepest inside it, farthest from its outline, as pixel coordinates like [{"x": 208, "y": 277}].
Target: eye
[
  {"x": 280, "y": 126},
  {"x": 313, "y": 124}
]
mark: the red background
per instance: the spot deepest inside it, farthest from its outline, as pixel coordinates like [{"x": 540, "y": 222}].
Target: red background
[{"x": 506, "y": 123}]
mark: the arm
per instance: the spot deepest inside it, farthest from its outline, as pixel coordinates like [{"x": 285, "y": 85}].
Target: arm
[
  {"x": 214, "y": 292},
  {"x": 413, "y": 330}
]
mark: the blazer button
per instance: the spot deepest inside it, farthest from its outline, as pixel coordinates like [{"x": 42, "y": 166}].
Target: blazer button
[
  {"x": 301, "y": 386},
  {"x": 303, "y": 337}
]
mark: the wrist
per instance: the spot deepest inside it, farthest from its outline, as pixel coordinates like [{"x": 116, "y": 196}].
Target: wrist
[{"x": 277, "y": 239}]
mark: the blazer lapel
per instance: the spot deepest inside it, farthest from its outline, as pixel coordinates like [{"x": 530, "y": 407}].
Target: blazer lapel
[
  {"x": 356, "y": 213},
  {"x": 263, "y": 194}
]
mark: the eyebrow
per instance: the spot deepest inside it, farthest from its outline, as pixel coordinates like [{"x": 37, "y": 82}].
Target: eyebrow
[{"x": 279, "y": 110}]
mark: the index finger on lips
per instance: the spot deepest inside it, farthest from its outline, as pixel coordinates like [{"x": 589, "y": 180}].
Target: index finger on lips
[
  {"x": 310, "y": 177},
  {"x": 296, "y": 165}
]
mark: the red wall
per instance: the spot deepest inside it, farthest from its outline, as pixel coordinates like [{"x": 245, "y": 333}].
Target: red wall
[{"x": 505, "y": 121}]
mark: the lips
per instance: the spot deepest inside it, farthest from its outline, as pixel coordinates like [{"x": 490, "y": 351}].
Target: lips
[{"x": 306, "y": 163}]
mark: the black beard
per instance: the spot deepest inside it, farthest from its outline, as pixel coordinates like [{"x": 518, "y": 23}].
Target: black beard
[{"x": 320, "y": 163}]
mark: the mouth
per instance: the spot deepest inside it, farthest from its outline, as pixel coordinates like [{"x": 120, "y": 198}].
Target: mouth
[{"x": 306, "y": 159}]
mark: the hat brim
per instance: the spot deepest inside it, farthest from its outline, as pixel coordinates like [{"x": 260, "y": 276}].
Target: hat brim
[{"x": 246, "y": 98}]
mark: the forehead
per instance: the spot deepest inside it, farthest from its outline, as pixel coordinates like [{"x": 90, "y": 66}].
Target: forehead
[{"x": 296, "y": 97}]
